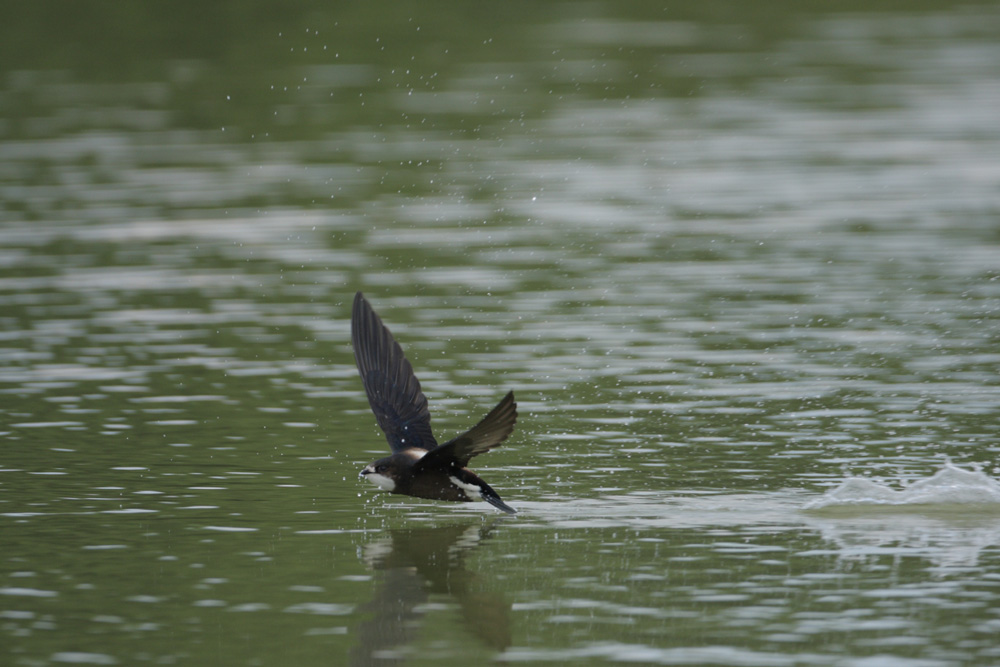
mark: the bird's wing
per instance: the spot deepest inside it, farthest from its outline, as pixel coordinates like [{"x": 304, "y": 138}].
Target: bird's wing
[
  {"x": 393, "y": 390},
  {"x": 484, "y": 436}
]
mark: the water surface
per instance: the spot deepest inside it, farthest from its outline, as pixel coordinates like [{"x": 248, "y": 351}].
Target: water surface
[{"x": 725, "y": 259}]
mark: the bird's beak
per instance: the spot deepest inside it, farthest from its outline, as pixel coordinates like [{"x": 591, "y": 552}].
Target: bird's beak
[{"x": 364, "y": 472}]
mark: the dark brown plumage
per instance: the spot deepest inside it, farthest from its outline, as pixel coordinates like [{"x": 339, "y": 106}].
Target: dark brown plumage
[{"x": 419, "y": 466}]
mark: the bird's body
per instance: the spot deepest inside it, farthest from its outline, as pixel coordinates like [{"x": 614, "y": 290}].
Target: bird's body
[{"x": 419, "y": 466}]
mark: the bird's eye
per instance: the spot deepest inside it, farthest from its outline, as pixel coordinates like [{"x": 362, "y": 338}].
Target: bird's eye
[{"x": 380, "y": 468}]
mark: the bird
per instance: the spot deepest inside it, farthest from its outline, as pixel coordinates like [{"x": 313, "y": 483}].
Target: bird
[{"x": 418, "y": 465}]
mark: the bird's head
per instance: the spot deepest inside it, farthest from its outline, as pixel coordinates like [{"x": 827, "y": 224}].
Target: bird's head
[{"x": 382, "y": 473}]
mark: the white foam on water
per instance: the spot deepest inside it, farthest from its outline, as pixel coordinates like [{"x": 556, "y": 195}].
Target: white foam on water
[{"x": 950, "y": 485}]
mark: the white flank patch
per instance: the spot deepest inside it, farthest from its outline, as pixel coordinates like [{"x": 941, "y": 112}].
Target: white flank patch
[
  {"x": 381, "y": 481},
  {"x": 472, "y": 491},
  {"x": 415, "y": 453}
]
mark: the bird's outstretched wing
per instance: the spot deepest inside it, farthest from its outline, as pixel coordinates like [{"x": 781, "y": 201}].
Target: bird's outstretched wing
[
  {"x": 484, "y": 436},
  {"x": 393, "y": 390}
]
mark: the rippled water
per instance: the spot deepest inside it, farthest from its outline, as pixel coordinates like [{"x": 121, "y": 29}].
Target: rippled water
[{"x": 725, "y": 261}]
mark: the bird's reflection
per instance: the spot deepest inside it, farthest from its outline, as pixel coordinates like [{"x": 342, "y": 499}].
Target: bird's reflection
[{"x": 414, "y": 564}]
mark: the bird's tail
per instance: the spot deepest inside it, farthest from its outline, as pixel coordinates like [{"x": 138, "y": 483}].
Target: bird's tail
[{"x": 491, "y": 496}]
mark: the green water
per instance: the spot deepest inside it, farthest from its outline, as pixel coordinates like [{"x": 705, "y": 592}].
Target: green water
[{"x": 725, "y": 257}]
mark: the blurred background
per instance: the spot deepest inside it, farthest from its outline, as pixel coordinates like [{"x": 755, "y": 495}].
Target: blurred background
[{"x": 725, "y": 254}]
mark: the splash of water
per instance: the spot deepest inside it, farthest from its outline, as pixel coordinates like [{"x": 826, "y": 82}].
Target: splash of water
[{"x": 950, "y": 485}]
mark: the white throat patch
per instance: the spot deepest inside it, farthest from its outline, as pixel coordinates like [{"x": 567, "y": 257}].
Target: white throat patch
[{"x": 381, "y": 481}]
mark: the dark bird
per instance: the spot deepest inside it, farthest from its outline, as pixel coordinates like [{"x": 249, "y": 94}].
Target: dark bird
[{"x": 419, "y": 466}]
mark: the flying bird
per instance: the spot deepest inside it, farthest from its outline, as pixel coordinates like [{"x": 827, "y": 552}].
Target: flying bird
[{"x": 419, "y": 466}]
